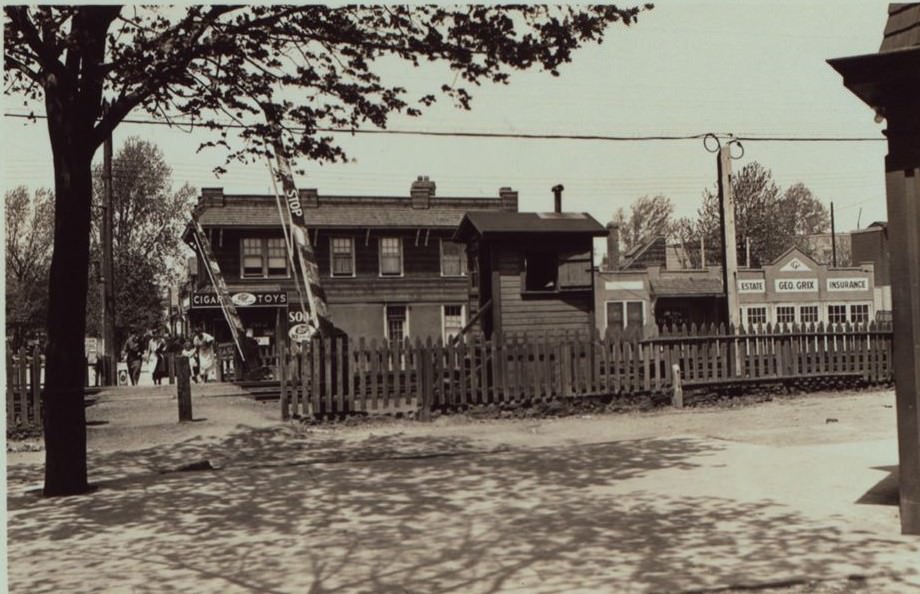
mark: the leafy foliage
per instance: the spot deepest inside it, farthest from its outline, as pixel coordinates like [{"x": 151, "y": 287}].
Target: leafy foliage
[
  {"x": 770, "y": 219},
  {"x": 305, "y": 68},
  {"x": 148, "y": 220},
  {"x": 649, "y": 217},
  {"x": 29, "y": 230},
  {"x": 313, "y": 66}
]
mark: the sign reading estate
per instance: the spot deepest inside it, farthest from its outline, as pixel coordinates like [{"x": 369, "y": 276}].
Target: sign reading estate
[
  {"x": 752, "y": 286},
  {"x": 848, "y": 284},
  {"x": 796, "y": 285},
  {"x": 242, "y": 299}
]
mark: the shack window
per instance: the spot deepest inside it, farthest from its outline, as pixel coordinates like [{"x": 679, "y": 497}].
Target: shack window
[
  {"x": 541, "y": 271},
  {"x": 575, "y": 270}
]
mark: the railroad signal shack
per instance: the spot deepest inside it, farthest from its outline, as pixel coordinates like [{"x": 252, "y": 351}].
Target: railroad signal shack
[{"x": 529, "y": 272}]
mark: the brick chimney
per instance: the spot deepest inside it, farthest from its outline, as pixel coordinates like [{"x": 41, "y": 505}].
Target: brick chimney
[
  {"x": 421, "y": 192},
  {"x": 212, "y": 196},
  {"x": 509, "y": 199},
  {"x": 309, "y": 198},
  {"x": 613, "y": 246}
]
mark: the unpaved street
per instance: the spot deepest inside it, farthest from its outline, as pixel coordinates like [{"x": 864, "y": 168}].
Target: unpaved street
[{"x": 672, "y": 501}]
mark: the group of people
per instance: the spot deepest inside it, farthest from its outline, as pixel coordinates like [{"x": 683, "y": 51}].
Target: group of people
[{"x": 153, "y": 347}]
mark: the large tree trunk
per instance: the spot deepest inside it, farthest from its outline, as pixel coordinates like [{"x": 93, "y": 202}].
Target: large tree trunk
[{"x": 65, "y": 418}]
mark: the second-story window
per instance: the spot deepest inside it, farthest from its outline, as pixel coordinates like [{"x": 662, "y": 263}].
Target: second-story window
[
  {"x": 391, "y": 263},
  {"x": 263, "y": 257},
  {"x": 343, "y": 256},
  {"x": 453, "y": 258}
]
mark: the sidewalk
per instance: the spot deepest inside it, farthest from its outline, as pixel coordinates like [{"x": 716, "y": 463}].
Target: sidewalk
[{"x": 677, "y": 501}]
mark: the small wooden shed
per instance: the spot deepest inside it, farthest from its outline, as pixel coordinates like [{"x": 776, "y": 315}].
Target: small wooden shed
[{"x": 530, "y": 272}]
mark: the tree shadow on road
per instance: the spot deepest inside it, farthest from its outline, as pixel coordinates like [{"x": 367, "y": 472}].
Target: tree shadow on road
[{"x": 290, "y": 511}]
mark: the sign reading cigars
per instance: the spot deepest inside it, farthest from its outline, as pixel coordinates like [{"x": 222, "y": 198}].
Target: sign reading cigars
[{"x": 242, "y": 299}]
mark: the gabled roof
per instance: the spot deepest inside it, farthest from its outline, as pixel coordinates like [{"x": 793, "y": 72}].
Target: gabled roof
[
  {"x": 794, "y": 252},
  {"x": 363, "y": 212},
  {"x": 491, "y": 224}
]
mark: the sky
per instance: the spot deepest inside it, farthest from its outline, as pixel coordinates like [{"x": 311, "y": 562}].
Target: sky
[{"x": 746, "y": 68}]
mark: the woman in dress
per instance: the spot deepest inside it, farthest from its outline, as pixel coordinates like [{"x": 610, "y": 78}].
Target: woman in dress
[{"x": 204, "y": 346}]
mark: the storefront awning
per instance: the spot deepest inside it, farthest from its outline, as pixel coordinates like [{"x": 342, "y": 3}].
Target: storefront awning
[{"x": 686, "y": 287}]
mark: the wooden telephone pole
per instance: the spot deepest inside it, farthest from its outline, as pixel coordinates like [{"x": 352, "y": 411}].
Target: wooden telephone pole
[{"x": 729, "y": 240}]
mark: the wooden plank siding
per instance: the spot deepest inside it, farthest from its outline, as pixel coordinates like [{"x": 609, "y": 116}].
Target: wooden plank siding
[{"x": 518, "y": 312}]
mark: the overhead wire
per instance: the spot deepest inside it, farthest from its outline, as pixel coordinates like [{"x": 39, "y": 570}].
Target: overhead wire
[{"x": 505, "y": 135}]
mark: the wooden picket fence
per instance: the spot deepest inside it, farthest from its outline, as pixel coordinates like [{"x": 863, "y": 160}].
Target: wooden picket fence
[
  {"x": 23, "y": 388},
  {"x": 341, "y": 375}
]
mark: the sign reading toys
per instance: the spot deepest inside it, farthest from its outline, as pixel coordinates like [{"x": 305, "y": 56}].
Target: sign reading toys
[
  {"x": 796, "y": 285},
  {"x": 242, "y": 299}
]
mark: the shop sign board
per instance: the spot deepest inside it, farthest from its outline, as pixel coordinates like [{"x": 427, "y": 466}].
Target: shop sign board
[
  {"x": 243, "y": 299},
  {"x": 755, "y": 285},
  {"x": 848, "y": 284},
  {"x": 796, "y": 285}
]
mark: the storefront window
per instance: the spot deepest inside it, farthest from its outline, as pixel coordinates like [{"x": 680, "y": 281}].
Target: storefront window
[
  {"x": 785, "y": 314},
  {"x": 625, "y": 314},
  {"x": 453, "y": 320},
  {"x": 396, "y": 322},
  {"x": 808, "y": 314},
  {"x": 859, "y": 313},
  {"x": 756, "y": 315},
  {"x": 837, "y": 314}
]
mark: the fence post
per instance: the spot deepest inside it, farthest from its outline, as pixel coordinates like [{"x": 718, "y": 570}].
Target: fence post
[
  {"x": 184, "y": 389},
  {"x": 677, "y": 397},
  {"x": 424, "y": 382},
  {"x": 36, "y": 386},
  {"x": 171, "y": 366}
]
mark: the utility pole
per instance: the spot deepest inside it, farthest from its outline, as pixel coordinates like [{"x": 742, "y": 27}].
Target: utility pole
[
  {"x": 729, "y": 242},
  {"x": 108, "y": 265},
  {"x": 833, "y": 239}
]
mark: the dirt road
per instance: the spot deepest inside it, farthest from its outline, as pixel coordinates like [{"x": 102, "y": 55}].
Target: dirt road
[{"x": 672, "y": 501}]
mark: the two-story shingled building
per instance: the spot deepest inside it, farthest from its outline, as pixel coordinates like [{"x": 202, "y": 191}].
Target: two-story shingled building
[{"x": 387, "y": 263}]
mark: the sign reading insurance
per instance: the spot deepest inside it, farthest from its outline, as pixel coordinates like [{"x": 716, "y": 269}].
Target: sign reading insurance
[
  {"x": 848, "y": 284},
  {"x": 242, "y": 299}
]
